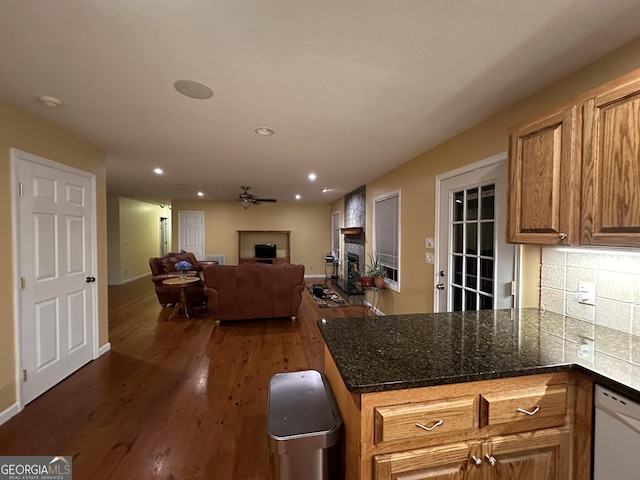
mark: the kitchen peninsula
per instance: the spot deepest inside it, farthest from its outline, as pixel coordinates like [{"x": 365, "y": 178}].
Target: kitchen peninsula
[{"x": 465, "y": 395}]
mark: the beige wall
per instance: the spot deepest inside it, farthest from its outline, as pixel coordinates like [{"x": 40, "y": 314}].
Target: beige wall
[
  {"x": 416, "y": 178},
  {"x": 134, "y": 237},
  {"x": 309, "y": 223},
  {"x": 27, "y": 132}
]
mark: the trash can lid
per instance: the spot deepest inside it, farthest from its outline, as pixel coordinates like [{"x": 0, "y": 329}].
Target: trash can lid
[{"x": 298, "y": 405}]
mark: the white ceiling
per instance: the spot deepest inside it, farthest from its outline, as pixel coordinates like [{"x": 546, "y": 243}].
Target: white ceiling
[{"x": 353, "y": 88}]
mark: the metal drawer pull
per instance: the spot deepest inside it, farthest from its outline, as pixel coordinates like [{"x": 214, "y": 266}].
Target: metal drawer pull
[
  {"x": 522, "y": 410},
  {"x": 562, "y": 236},
  {"x": 491, "y": 459},
  {"x": 476, "y": 461},
  {"x": 428, "y": 429}
]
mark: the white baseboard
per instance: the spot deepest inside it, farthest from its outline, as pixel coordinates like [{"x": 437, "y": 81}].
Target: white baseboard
[
  {"x": 129, "y": 280},
  {"x": 9, "y": 412},
  {"x": 315, "y": 276},
  {"x": 374, "y": 309},
  {"x": 104, "y": 349}
]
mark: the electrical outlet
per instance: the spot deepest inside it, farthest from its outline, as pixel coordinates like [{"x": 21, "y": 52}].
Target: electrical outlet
[
  {"x": 429, "y": 242},
  {"x": 429, "y": 258},
  {"x": 586, "y": 293},
  {"x": 585, "y": 349}
]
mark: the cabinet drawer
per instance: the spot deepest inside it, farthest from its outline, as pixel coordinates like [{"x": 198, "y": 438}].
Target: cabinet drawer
[
  {"x": 519, "y": 405},
  {"x": 426, "y": 419}
]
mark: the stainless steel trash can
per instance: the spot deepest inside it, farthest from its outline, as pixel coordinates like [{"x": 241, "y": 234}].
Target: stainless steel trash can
[{"x": 304, "y": 427}]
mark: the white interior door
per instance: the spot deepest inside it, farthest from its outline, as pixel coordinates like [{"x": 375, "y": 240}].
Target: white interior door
[
  {"x": 475, "y": 265},
  {"x": 191, "y": 232},
  {"x": 55, "y": 215}
]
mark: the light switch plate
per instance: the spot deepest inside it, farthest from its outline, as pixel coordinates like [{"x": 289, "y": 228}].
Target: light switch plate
[
  {"x": 429, "y": 242},
  {"x": 428, "y": 258}
]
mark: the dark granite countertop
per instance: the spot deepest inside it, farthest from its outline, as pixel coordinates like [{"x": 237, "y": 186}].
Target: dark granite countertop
[{"x": 394, "y": 352}]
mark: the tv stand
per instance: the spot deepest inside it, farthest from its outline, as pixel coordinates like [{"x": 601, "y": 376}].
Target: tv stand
[{"x": 247, "y": 239}]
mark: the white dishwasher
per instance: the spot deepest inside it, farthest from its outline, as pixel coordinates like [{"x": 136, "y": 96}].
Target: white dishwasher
[{"x": 616, "y": 444}]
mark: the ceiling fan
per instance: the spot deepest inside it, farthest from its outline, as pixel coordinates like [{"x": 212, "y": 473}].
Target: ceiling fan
[{"x": 246, "y": 199}]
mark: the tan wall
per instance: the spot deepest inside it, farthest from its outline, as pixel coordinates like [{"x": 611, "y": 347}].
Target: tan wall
[
  {"x": 416, "y": 178},
  {"x": 310, "y": 226},
  {"x": 24, "y": 131},
  {"x": 138, "y": 238}
]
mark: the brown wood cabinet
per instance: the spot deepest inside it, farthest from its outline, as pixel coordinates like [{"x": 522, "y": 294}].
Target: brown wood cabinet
[
  {"x": 539, "y": 455},
  {"x": 543, "y": 198},
  {"x": 611, "y": 166},
  {"x": 506, "y": 429},
  {"x": 574, "y": 174}
]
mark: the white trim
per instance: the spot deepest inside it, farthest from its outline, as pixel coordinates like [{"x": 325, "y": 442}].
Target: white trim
[
  {"x": 9, "y": 412},
  {"x": 129, "y": 280},
  {"x": 374, "y": 309},
  {"x": 104, "y": 349},
  {"x": 315, "y": 276},
  {"x": 487, "y": 162},
  {"x": 17, "y": 155},
  {"x": 180, "y": 234},
  {"x": 16, "y": 287}
]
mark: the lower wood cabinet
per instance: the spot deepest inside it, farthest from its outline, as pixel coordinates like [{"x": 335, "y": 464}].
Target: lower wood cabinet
[
  {"x": 522, "y": 428},
  {"x": 538, "y": 455},
  {"x": 448, "y": 462}
]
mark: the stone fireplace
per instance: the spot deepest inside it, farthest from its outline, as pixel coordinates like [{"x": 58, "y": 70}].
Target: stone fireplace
[{"x": 353, "y": 258}]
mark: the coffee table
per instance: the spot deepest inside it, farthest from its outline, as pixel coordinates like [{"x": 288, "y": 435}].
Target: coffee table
[{"x": 182, "y": 307}]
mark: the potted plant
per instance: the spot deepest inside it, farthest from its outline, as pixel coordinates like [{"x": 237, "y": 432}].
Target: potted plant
[{"x": 377, "y": 271}]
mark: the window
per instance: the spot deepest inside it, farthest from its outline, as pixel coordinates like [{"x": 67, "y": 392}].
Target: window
[
  {"x": 386, "y": 235},
  {"x": 335, "y": 234}
]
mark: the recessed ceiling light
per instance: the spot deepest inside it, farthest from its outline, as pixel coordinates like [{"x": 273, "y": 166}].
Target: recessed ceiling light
[
  {"x": 264, "y": 131},
  {"x": 312, "y": 176},
  {"x": 158, "y": 171},
  {"x": 49, "y": 101},
  {"x": 193, "y": 89},
  {"x": 298, "y": 196},
  {"x": 200, "y": 194}
]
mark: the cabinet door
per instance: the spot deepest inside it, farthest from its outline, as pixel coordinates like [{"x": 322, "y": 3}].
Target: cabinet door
[
  {"x": 448, "y": 462},
  {"x": 537, "y": 455},
  {"x": 611, "y": 167},
  {"x": 543, "y": 201}
]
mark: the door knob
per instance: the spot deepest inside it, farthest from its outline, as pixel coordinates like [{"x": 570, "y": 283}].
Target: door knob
[
  {"x": 440, "y": 286},
  {"x": 90, "y": 279}
]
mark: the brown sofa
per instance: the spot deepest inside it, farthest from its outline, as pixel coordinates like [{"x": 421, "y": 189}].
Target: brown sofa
[
  {"x": 164, "y": 267},
  {"x": 253, "y": 290}
]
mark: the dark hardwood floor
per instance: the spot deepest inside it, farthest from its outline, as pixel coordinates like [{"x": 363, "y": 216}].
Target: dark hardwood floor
[{"x": 173, "y": 399}]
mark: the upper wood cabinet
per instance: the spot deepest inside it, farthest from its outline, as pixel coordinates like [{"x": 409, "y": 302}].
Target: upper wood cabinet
[
  {"x": 543, "y": 179},
  {"x": 611, "y": 167},
  {"x": 574, "y": 174}
]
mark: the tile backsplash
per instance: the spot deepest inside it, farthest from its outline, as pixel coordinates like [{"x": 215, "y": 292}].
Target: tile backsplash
[
  {"x": 616, "y": 312},
  {"x": 617, "y": 280}
]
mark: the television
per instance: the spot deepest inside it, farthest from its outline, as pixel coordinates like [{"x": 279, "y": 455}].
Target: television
[{"x": 265, "y": 250}]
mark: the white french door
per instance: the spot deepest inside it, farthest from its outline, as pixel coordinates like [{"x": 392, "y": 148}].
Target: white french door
[
  {"x": 475, "y": 265},
  {"x": 56, "y": 318},
  {"x": 191, "y": 232}
]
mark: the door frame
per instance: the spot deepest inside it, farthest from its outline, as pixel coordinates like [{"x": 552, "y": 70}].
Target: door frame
[
  {"x": 487, "y": 162},
  {"x": 180, "y": 228},
  {"x": 17, "y": 156}
]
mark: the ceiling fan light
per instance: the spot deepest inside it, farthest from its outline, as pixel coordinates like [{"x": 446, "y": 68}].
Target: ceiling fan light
[{"x": 244, "y": 203}]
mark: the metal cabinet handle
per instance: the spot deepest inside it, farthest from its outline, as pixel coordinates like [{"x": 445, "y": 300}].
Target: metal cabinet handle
[
  {"x": 530, "y": 413},
  {"x": 428, "y": 429},
  {"x": 562, "y": 236},
  {"x": 476, "y": 461},
  {"x": 491, "y": 459}
]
